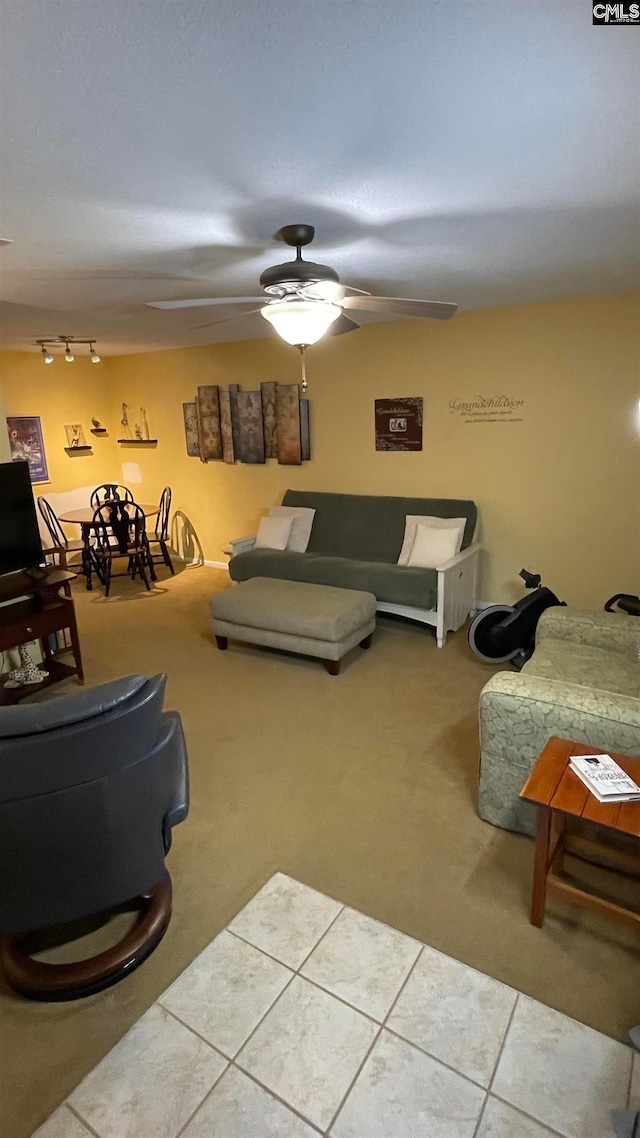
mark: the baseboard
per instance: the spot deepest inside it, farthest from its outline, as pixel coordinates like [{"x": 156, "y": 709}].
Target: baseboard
[{"x": 209, "y": 564}]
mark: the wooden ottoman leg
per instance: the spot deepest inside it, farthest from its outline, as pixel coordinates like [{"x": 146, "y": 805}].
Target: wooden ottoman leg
[
  {"x": 366, "y": 643},
  {"x": 222, "y": 642},
  {"x": 333, "y": 667},
  {"x": 541, "y": 864}
]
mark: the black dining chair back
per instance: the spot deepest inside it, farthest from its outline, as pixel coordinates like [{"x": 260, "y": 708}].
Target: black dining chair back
[
  {"x": 59, "y": 538},
  {"x": 163, "y": 514},
  {"x": 120, "y": 531},
  {"x": 110, "y": 492},
  {"x": 50, "y": 519},
  {"x": 161, "y": 535}
]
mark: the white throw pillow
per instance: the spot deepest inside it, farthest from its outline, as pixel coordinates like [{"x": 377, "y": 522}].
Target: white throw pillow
[
  {"x": 432, "y": 546},
  {"x": 273, "y": 533},
  {"x": 301, "y": 523},
  {"x": 412, "y": 520}
]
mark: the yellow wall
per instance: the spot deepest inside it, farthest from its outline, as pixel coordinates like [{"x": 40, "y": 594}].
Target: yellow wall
[
  {"x": 558, "y": 492},
  {"x": 62, "y": 393}
]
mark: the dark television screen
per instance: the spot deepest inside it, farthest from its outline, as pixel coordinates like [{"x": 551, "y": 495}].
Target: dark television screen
[{"x": 20, "y": 545}]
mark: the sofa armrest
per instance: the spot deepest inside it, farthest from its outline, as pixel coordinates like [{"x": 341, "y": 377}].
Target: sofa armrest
[
  {"x": 463, "y": 555},
  {"x": 457, "y": 586},
  {"x": 242, "y": 544},
  {"x": 519, "y": 712},
  {"x": 615, "y": 631}
]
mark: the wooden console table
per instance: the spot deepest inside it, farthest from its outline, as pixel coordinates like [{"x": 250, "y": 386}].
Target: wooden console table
[
  {"x": 31, "y": 608},
  {"x": 559, "y": 794}
]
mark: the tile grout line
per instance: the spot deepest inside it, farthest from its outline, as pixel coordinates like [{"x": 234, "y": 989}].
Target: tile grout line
[
  {"x": 209, "y": 1092},
  {"x": 252, "y": 945},
  {"x": 321, "y": 938},
  {"x": 496, "y": 1065},
  {"x": 499, "y": 1056},
  {"x": 476, "y": 1129},
  {"x": 273, "y": 1095},
  {"x": 72, "y": 1109},
  {"x": 193, "y": 1030},
  {"x": 529, "y": 1117},
  {"x": 440, "y": 1062},
  {"x": 263, "y": 1017},
  {"x": 373, "y": 1043},
  {"x": 340, "y": 999},
  {"x": 503, "y": 1044},
  {"x": 354, "y": 1080},
  {"x": 277, "y": 960}
]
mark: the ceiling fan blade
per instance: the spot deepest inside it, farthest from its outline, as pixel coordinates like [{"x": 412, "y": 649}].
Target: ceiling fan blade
[
  {"x": 330, "y": 291},
  {"x": 437, "y": 310},
  {"x": 206, "y": 302},
  {"x": 341, "y": 325},
  {"x": 227, "y": 319}
]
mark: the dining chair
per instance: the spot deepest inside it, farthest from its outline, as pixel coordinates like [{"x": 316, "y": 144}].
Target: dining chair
[
  {"x": 160, "y": 535},
  {"x": 59, "y": 538},
  {"x": 110, "y": 492},
  {"x": 120, "y": 530}
]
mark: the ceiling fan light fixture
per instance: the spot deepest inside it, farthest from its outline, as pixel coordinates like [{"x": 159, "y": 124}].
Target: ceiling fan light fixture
[{"x": 301, "y": 322}]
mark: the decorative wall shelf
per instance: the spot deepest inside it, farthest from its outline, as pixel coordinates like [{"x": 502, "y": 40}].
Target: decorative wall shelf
[
  {"x": 99, "y": 431},
  {"x": 78, "y": 450},
  {"x": 139, "y": 442}
]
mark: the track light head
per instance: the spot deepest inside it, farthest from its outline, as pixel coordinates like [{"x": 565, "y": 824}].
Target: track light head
[
  {"x": 46, "y": 354},
  {"x": 68, "y": 355},
  {"x": 95, "y": 358}
]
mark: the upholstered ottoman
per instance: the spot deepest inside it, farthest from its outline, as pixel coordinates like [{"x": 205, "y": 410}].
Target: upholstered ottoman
[{"x": 315, "y": 620}]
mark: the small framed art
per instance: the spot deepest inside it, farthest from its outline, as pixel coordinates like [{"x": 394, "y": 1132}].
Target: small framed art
[{"x": 27, "y": 444}]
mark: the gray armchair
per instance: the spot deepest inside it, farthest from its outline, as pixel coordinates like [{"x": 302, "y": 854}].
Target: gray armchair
[{"x": 91, "y": 785}]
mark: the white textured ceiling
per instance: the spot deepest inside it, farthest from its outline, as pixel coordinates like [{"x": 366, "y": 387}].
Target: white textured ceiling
[{"x": 484, "y": 152}]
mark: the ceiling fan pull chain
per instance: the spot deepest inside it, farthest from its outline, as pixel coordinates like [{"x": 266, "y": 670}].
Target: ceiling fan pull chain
[{"x": 303, "y": 367}]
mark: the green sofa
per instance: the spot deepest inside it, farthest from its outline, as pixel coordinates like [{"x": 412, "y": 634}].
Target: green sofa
[
  {"x": 582, "y": 683},
  {"x": 355, "y": 542}
]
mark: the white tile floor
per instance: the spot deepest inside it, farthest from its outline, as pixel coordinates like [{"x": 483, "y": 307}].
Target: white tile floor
[{"x": 305, "y": 1017}]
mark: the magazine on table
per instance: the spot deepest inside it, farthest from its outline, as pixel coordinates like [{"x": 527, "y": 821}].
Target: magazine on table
[{"x": 605, "y": 778}]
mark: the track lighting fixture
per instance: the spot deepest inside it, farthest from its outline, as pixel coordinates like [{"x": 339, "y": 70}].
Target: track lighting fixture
[{"x": 69, "y": 343}]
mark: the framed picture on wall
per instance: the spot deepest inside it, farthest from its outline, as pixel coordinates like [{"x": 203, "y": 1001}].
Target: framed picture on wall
[
  {"x": 26, "y": 443},
  {"x": 398, "y": 424}
]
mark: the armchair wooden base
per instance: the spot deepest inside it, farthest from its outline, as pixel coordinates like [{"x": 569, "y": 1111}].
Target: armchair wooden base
[{"x": 38, "y": 980}]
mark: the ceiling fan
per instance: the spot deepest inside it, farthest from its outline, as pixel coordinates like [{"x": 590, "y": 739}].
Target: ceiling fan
[{"x": 304, "y": 299}]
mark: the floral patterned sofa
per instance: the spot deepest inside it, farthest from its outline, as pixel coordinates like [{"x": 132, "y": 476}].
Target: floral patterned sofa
[{"x": 582, "y": 683}]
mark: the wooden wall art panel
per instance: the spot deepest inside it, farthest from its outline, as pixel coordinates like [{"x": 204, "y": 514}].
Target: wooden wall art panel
[
  {"x": 191, "y": 429},
  {"x": 288, "y": 424},
  {"x": 208, "y": 411},
  {"x": 249, "y": 404},
  {"x": 226, "y": 426},
  {"x": 225, "y": 423},
  {"x": 269, "y": 419},
  {"x": 305, "y": 434}
]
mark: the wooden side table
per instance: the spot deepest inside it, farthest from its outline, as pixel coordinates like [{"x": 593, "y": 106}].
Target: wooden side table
[
  {"x": 33, "y": 609},
  {"x": 559, "y": 794}
]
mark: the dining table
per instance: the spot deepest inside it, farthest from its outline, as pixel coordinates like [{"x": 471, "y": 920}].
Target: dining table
[{"x": 84, "y": 518}]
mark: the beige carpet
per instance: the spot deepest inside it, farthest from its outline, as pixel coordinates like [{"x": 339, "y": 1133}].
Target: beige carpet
[{"x": 362, "y": 786}]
